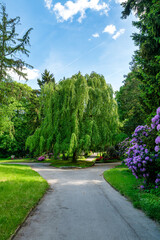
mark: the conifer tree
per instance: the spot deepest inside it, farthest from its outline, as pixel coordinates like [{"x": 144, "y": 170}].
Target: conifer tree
[
  {"x": 46, "y": 78},
  {"x": 11, "y": 46}
]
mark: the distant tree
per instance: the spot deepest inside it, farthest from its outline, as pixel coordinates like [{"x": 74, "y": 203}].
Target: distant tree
[
  {"x": 46, "y": 78},
  {"x": 12, "y": 46},
  {"x": 80, "y": 114},
  {"x": 130, "y": 107}
]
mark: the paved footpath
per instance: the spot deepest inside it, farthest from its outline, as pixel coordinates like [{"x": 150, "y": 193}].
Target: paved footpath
[{"x": 81, "y": 205}]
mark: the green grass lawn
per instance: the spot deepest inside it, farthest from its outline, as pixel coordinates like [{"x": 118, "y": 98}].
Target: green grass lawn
[
  {"x": 69, "y": 163},
  {"x": 109, "y": 161},
  {"x": 54, "y": 162},
  {"x": 24, "y": 160},
  {"x": 20, "y": 189},
  {"x": 5, "y": 160},
  {"x": 122, "y": 179}
]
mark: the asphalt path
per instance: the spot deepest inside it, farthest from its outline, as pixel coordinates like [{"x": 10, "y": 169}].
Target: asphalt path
[{"x": 81, "y": 205}]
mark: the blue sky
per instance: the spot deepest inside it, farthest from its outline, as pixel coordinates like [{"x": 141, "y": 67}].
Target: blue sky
[{"x": 76, "y": 35}]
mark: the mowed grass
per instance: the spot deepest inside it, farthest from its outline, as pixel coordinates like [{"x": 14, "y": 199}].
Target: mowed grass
[
  {"x": 69, "y": 163},
  {"x": 81, "y": 163},
  {"x": 20, "y": 190},
  {"x": 25, "y": 160},
  {"x": 122, "y": 179}
]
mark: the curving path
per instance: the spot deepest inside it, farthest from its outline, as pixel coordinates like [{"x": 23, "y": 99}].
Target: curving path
[{"x": 81, "y": 205}]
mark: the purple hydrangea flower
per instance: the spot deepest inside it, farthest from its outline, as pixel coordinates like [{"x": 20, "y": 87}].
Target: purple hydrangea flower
[
  {"x": 156, "y": 148},
  {"x": 153, "y": 126},
  {"x": 157, "y": 180},
  {"x": 157, "y": 140},
  {"x": 146, "y": 150},
  {"x": 158, "y": 111},
  {"x": 158, "y": 127},
  {"x": 155, "y": 119}
]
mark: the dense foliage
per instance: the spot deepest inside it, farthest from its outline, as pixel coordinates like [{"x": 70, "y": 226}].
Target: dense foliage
[
  {"x": 19, "y": 106},
  {"x": 80, "y": 114}
]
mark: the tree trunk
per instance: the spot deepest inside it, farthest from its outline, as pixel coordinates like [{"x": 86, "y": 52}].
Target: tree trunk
[
  {"x": 64, "y": 157},
  {"x": 74, "y": 159}
]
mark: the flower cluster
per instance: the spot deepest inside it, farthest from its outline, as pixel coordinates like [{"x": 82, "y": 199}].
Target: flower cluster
[
  {"x": 156, "y": 125},
  {"x": 140, "y": 133},
  {"x": 123, "y": 146},
  {"x": 41, "y": 158},
  {"x": 143, "y": 159},
  {"x": 99, "y": 159},
  {"x": 142, "y": 163}
]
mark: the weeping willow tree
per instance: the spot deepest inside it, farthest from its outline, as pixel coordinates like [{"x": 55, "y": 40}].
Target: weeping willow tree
[
  {"x": 100, "y": 122},
  {"x": 80, "y": 114}
]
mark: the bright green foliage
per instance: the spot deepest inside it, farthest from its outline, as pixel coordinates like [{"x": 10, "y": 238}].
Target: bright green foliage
[
  {"x": 80, "y": 114},
  {"x": 147, "y": 58},
  {"x": 100, "y": 120},
  {"x": 12, "y": 46},
  {"x": 18, "y": 116}
]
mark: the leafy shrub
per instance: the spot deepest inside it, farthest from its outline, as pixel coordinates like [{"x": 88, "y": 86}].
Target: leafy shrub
[{"x": 120, "y": 137}]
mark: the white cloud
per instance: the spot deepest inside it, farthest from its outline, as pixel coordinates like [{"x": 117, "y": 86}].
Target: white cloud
[
  {"x": 70, "y": 8},
  {"x": 120, "y": 1},
  {"x": 118, "y": 34},
  {"x": 110, "y": 29},
  {"x": 48, "y": 4},
  {"x": 31, "y": 74},
  {"x": 95, "y": 35}
]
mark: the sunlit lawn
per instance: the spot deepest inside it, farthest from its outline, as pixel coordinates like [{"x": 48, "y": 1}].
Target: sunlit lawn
[
  {"x": 20, "y": 190},
  {"x": 122, "y": 179},
  {"x": 22, "y": 160}
]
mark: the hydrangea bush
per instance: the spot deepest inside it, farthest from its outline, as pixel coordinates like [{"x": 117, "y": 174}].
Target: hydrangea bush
[{"x": 143, "y": 153}]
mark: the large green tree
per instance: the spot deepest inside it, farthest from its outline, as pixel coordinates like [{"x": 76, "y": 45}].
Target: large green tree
[
  {"x": 12, "y": 47},
  {"x": 146, "y": 60},
  {"x": 19, "y": 109},
  {"x": 80, "y": 114}
]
